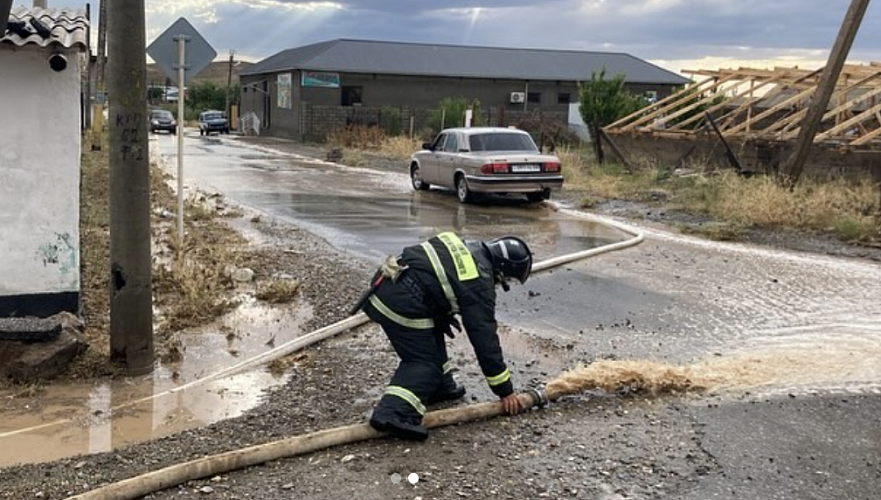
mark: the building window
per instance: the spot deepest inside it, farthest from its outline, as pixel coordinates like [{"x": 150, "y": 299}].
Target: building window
[
  {"x": 563, "y": 98},
  {"x": 351, "y": 96},
  {"x": 533, "y": 97}
]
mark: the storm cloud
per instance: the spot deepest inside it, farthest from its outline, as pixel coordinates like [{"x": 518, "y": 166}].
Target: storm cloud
[{"x": 666, "y": 30}]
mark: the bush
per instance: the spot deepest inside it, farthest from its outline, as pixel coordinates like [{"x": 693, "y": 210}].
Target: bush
[
  {"x": 390, "y": 120},
  {"x": 356, "y": 137},
  {"x": 451, "y": 113}
]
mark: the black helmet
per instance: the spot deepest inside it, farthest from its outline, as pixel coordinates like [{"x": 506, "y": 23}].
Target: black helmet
[{"x": 511, "y": 257}]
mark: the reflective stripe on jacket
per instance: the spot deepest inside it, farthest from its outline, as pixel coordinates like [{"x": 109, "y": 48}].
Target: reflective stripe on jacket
[{"x": 452, "y": 277}]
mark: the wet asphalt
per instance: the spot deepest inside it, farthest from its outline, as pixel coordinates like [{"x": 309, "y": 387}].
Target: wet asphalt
[{"x": 797, "y": 335}]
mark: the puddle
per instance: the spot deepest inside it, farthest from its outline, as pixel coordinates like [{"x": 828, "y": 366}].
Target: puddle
[{"x": 65, "y": 420}]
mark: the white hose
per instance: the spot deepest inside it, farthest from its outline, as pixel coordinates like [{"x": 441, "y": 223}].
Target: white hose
[{"x": 359, "y": 319}]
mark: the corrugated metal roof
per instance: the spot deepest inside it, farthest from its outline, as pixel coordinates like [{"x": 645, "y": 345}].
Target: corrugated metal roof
[
  {"x": 398, "y": 58},
  {"x": 68, "y": 28}
]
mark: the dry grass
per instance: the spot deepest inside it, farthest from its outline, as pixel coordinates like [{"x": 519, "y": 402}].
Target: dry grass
[
  {"x": 847, "y": 209},
  {"x": 399, "y": 147},
  {"x": 95, "y": 259},
  {"x": 357, "y": 137},
  {"x": 832, "y": 206},
  {"x": 357, "y": 140},
  {"x": 191, "y": 285}
]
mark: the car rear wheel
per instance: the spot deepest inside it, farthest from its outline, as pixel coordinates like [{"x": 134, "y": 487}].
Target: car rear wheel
[
  {"x": 416, "y": 179},
  {"x": 465, "y": 195}
]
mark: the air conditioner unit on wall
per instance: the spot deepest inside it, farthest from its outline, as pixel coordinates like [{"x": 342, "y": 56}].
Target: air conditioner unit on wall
[{"x": 518, "y": 97}]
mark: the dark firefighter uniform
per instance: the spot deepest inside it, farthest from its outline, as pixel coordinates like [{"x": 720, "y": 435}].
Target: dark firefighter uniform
[{"x": 441, "y": 277}]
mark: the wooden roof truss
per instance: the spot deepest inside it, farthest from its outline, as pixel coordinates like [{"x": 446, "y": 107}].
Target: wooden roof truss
[{"x": 766, "y": 104}]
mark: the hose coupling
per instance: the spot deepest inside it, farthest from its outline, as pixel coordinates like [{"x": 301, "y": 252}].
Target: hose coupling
[{"x": 540, "y": 394}]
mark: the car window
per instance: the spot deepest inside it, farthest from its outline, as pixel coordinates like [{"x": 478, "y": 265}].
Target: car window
[
  {"x": 162, "y": 115},
  {"x": 452, "y": 144},
  {"x": 439, "y": 143},
  {"x": 501, "y": 141},
  {"x": 212, "y": 116}
]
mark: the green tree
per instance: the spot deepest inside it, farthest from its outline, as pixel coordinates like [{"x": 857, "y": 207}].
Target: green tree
[
  {"x": 204, "y": 96},
  {"x": 450, "y": 112},
  {"x": 602, "y": 102}
]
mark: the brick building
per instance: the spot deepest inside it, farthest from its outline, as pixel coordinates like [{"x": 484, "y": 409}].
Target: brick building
[{"x": 303, "y": 93}]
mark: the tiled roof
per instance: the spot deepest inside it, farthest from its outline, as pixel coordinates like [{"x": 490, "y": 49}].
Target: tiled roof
[
  {"x": 401, "y": 58},
  {"x": 68, "y": 28}
]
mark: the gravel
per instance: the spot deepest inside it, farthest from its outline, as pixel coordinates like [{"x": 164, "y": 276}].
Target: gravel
[{"x": 595, "y": 446}]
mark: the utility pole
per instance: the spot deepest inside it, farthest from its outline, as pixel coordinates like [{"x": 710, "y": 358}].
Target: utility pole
[
  {"x": 102, "y": 44},
  {"x": 131, "y": 294},
  {"x": 100, "y": 87},
  {"x": 794, "y": 165},
  {"x": 229, "y": 84},
  {"x": 40, "y": 3}
]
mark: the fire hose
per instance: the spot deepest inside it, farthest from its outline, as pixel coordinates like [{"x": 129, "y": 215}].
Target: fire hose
[{"x": 157, "y": 480}]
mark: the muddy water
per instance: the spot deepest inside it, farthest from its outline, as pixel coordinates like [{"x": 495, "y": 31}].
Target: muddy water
[
  {"x": 68, "y": 419},
  {"x": 688, "y": 316},
  {"x": 832, "y": 359}
]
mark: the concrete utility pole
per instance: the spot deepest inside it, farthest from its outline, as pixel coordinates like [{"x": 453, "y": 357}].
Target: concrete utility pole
[
  {"x": 40, "y": 3},
  {"x": 131, "y": 314},
  {"x": 102, "y": 44},
  {"x": 794, "y": 165}
]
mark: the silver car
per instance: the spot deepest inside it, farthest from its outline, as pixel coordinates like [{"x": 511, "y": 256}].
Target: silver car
[{"x": 486, "y": 160}]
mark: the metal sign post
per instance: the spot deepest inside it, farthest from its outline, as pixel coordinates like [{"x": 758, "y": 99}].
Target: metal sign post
[
  {"x": 181, "y": 53},
  {"x": 181, "y": 99}
]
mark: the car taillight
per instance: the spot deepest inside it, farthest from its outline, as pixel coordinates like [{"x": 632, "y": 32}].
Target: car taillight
[
  {"x": 552, "y": 166},
  {"x": 494, "y": 168}
]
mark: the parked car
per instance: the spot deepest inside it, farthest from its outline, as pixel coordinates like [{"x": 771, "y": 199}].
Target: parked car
[
  {"x": 213, "y": 121},
  {"x": 486, "y": 160},
  {"x": 161, "y": 119}
]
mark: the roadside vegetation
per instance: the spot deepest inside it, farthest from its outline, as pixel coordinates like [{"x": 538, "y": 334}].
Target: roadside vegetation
[
  {"x": 193, "y": 282},
  {"x": 847, "y": 209}
]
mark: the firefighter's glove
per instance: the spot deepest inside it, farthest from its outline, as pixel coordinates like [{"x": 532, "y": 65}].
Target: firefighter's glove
[{"x": 447, "y": 324}]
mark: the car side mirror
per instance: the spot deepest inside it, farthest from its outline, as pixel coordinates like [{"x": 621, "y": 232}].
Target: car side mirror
[{"x": 426, "y": 145}]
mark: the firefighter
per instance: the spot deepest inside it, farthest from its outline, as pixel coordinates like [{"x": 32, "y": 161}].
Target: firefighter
[{"x": 416, "y": 298}]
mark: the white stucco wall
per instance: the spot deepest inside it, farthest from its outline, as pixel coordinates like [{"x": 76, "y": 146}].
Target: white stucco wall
[{"x": 39, "y": 174}]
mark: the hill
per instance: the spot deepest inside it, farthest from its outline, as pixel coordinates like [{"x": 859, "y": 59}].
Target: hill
[{"x": 216, "y": 72}]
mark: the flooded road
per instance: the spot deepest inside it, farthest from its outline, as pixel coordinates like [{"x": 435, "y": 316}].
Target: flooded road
[
  {"x": 762, "y": 321},
  {"x": 674, "y": 299}
]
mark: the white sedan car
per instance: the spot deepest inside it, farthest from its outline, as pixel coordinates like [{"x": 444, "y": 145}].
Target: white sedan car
[{"x": 486, "y": 160}]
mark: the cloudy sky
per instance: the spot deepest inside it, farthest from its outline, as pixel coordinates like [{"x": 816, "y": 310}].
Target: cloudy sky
[{"x": 676, "y": 34}]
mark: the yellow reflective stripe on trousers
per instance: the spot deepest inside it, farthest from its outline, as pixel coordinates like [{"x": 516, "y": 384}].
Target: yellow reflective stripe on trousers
[
  {"x": 441, "y": 274},
  {"x": 447, "y": 367},
  {"x": 500, "y": 378},
  {"x": 406, "y": 395},
  {"x": 466, "y": 269},
  {"x": 414, "y": 323}
]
